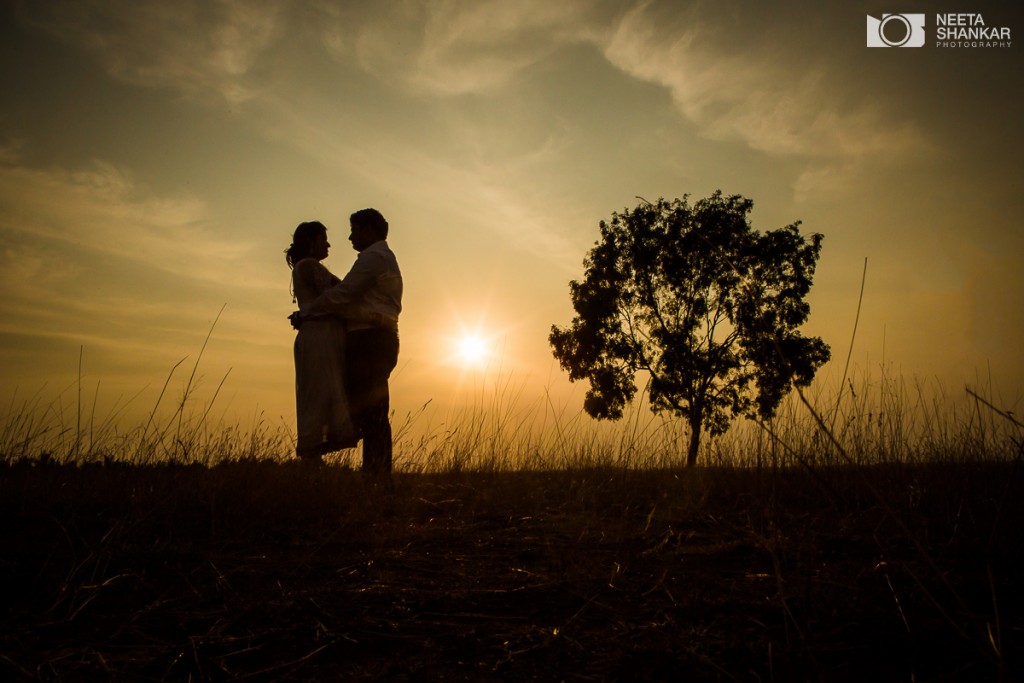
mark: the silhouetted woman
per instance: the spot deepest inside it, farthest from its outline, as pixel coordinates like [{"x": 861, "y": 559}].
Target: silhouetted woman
[{"x": 321, "y": 403}]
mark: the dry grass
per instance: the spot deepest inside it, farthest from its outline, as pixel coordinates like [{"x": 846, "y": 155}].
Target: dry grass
[
  {"x": 273, "y": 571},
  {"x": 517, "y": 543}
]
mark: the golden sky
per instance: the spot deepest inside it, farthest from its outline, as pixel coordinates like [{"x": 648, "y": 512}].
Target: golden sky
[{"x": 155, "y": 157}]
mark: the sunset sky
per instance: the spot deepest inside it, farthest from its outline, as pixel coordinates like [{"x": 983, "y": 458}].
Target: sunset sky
[{"x": 156, "y": 156}]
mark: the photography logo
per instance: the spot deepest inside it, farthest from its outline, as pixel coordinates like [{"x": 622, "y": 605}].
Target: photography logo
[
  {"x": 969, "y": 29},
  {"x": 896, "y": 30}
]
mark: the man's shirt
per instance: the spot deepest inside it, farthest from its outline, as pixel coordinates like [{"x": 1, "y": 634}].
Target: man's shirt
[{"x": 371, "y": 289}]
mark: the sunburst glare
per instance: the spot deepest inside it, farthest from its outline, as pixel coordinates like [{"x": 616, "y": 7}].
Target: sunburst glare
[{"x": 472, "y": 350}]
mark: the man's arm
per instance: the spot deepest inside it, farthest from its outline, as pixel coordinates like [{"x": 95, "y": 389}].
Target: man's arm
[{"x": 343, "y": 297}]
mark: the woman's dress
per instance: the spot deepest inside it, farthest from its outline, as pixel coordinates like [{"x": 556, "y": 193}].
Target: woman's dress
[{"x": 321, "y": 404}]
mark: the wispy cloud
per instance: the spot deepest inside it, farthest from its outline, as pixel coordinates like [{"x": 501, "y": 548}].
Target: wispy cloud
[
  {"x": 99, "y": 210},
  {"x": 90, "y": 259},
  {"x": 86, "y": 252},
  {"x": 192, "y": 46},
  {"x": 730, "y": 73},
  {"x": 766, "y": 95},
  {"x": 453, "y": 48},
  {"x": 490, "y": 196},
  {"x": 730, "y": 83}
]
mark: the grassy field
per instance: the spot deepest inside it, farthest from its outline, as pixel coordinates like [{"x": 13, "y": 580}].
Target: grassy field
[
  {"x": 261, "y": 570},
  {"x": 877, "y": 540}
]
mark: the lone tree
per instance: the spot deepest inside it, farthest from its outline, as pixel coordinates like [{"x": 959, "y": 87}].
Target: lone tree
[{"x": 704, "y": 304}]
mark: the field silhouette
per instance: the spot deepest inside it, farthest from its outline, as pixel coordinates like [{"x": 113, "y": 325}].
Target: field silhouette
[{"x": 880, "y": 541}]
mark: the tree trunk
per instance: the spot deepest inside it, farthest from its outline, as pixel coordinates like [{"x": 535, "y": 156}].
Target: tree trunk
[{"x": 691, "y": 454}]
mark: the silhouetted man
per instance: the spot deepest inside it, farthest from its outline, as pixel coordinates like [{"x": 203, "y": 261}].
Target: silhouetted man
[{"x": 372, "y": 290}]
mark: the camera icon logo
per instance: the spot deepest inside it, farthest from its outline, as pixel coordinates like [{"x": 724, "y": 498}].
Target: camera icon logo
[{"x": 896, "y": 30}]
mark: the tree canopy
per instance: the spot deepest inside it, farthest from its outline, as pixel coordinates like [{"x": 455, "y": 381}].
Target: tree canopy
[{"x": 705, "y": 305}]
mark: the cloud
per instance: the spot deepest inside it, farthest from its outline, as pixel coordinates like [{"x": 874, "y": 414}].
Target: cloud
[
  {"x": 750, "y": 75},
  {"x": 453, "y": 48},
  {"x": 90, "y": 259},
  {"x": 735, "y": 85},
  {"x": 192, "y": 46},
  {"x": 10, "y": 151},
  {"x": 85, "y": 253},
  {"x": 733, "y": 76},
  {"x": 500, "y": 196},
  {"x": 99, "y": 210}
]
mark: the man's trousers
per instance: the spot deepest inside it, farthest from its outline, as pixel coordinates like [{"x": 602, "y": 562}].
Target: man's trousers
[{"x": 370, "y": 356}]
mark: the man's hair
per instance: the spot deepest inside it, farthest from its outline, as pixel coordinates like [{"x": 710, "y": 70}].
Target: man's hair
[{"x": 372, "y": 220}]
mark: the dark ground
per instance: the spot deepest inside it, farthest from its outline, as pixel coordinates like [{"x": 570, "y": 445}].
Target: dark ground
[{"x": 261, "y": 571}]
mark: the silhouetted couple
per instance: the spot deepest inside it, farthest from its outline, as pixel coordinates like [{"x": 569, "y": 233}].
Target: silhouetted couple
[{"x": 347, "y": 342}]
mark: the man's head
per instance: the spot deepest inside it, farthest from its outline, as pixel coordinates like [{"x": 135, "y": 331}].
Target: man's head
[{"x": 368, "y": 226}]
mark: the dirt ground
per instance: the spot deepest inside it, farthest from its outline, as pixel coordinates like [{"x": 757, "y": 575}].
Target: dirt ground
[{"x": 262, "y": 571}]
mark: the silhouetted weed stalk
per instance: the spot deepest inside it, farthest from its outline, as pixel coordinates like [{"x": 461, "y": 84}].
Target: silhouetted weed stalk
[
  {"x": 876, "y": 420},
  {"x": 183, "y": 433},
  {"x": 865, "y": 421}
]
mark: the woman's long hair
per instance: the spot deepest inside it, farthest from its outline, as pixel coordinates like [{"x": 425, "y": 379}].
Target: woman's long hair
[{"x": 302, "y": 241}]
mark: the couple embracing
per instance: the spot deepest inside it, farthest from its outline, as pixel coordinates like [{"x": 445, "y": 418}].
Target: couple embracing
[{"x": 347, "y": 342}]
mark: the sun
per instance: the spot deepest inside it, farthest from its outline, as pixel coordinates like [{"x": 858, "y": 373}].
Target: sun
[{"x": 472, "y": 350}]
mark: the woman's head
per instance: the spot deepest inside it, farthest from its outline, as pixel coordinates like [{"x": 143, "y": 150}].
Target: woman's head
[{"x": 305, "y": 241}]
